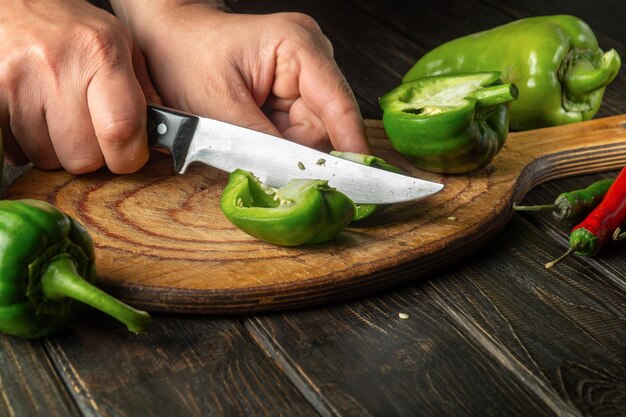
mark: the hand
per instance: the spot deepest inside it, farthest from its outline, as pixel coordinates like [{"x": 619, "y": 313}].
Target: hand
[
  {"x": 272, "y": 73},
  {"x": 68, "y": 93}
]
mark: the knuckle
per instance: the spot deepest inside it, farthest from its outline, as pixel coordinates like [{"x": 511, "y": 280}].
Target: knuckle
[
  {"x": 302, "y": 20},
  {"x": 101, "y": 43},
  {"x": 117, "y": 132},
  {"x": 304, "y": 30}
]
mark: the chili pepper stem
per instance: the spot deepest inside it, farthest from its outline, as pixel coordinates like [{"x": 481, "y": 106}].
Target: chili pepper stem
[
  {"x": 60, "y": 279},
  {"x": 540, "y": 207},
  {"x": 497, "y": 94},
  {"x": 568, "y": 253}
]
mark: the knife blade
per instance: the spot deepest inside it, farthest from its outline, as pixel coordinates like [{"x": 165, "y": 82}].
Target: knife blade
[{"x": 274, "y": 160}]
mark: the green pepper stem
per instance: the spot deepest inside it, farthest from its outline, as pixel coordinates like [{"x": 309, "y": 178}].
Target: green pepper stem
[
  {"x": 540, "y": 207},
  {"x": 60, "y": 279},
  {"x": 582, "y": 78},
  {"x": 496, "y": 94},
  {"x": 571, "y": 250}
]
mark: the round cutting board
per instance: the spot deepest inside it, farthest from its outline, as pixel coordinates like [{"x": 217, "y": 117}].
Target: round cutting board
[{"x": 163, "y": 244}]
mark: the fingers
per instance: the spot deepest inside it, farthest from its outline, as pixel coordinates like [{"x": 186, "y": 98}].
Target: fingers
[
  {"x": 69, "y": 95},
  {"x": 327, "y": 94},
  {"x": 31, "y": 127},
  {"x": 324, "y": 115},
  {"x": 118, "y": 112},
  {"x": 323, "y": 105},
  {"x": 230, "y": 101}
]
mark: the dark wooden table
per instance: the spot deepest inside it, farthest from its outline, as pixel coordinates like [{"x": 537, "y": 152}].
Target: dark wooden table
[{"x": 495, "y": 335}]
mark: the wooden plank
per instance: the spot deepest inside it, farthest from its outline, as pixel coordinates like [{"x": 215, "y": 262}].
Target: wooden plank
[
  {"x": 502, "y": 320},
  {"x": 361, "y": 359},
  {"x": 29, "y": 383},
  {"x": 180, "y": 367},
  {"x": 566, "y": 327}
]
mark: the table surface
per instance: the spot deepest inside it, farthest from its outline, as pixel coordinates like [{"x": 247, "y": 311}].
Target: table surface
[{"x": 494, "y": 335}]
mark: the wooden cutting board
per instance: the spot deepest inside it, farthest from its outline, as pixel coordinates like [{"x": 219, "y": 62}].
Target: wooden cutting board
[{"x": 163, "y": 244}]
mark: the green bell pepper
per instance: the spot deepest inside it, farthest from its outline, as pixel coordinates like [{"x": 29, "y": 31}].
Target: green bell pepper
[
  {"x": 303, "y": 211},
  {"x": 449, "y": 124},
  {"x": 555, "y": 62},
  {"x": 47, "y": 264},
  {"x": 366, "y": 210}
]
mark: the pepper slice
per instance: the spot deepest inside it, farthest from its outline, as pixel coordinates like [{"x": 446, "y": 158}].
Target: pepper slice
[
  {"x": 449, "y": 124},
  {"x": 555, "y": 61},
  {"x": 364, "y": 211},
  {"x": 47, "y": 264},
  {"x": 303, "y": 211}
]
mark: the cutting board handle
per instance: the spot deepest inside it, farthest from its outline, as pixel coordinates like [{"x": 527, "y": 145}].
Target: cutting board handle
[{"x": 563, "y": 151}]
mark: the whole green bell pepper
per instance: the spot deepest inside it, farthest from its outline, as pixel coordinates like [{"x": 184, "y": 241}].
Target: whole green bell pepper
[
  {"x": 303, "y": 211},
  {"x": 449, "y": 124},
  {"x": 555, "y": 62},
  {"x": 47, "y": 265},
  {"x": 364, "y": 211}
]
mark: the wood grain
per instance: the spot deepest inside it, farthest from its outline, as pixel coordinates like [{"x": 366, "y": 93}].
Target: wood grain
[
  {"x": 189, "y": 367},
  {"x": 560, "y": 331},
  {"x": 163, "y": 244},
  {"x": 29, "y": 382},
  {"x": 500, "y": 336}
]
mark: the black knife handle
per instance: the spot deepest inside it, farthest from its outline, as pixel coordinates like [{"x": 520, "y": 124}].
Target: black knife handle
[{"x": 171, "y": 129}]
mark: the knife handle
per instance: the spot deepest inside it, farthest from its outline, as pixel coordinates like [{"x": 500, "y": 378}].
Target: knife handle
[{"x": 172, "y": 130}]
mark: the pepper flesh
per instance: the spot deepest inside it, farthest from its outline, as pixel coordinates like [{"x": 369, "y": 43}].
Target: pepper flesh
[
  {"x": 364, "y": 211},
  {"x": 302, "y": 212},
  {"x": 47, "y": 262},
  {"x": 555, "y": 61},
  {"x": 449, "y": 124}
]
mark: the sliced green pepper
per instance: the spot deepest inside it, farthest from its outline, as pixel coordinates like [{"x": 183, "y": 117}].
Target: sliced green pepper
[
  {"x": 303, "y": 211},
  {"x": 449, "y": 124},
  {"x": 47, "y": 264},
  {"x": 555, "y": 62},
  {"x": 366, "y": 210}
]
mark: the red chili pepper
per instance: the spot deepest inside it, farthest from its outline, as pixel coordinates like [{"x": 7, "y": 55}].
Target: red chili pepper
[{"x": 588, "y": 237}]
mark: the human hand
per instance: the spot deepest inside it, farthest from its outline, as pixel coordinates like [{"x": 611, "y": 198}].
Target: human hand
[
  {"x": 68, "y": 94},
  {"x": 271, "y": 73}
]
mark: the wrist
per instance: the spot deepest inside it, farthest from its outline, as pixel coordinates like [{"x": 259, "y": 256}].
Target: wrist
[{"x": 143, "y": 16}]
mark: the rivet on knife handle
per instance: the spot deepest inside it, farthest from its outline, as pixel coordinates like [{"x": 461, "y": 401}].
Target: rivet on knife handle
[{"x": 172, "y": 130}]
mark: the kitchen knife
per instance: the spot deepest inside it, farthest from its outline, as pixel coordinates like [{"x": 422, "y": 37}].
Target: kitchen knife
[{"x": 274, "y": 160}]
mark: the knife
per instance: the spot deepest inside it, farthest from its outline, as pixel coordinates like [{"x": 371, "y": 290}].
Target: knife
[{"x": 274, "y": 160}]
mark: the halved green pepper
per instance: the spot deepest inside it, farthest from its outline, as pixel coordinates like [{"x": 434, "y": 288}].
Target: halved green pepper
[
  {"x": 303, "y": 211},
  {"x": 47, "y": 265},
  {"x": 449, "y": 124},
  {"x": 555, "y": 62},
  {"x": 366, "y": 210}
]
